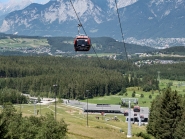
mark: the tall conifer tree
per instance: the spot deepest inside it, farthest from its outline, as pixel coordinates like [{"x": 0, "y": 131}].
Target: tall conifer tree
[
  {"x": 180, "y": 130},
  {"x": 165, "y": 115}
]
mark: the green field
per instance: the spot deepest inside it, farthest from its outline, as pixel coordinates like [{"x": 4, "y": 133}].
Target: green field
[
  {"x": 23, "y": 42},
  {"x": 179, "y": 86},
  {"x": 116, "y": 99},
  {"x": 101, "y": 54},
  {"x": 77, "y": 122},
  {"x": 143, "y": 102}
]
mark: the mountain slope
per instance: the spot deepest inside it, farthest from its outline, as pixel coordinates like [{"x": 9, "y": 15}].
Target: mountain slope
[
  {"x": 13, "y": 5},
  {"x": 141, "y": 19}
]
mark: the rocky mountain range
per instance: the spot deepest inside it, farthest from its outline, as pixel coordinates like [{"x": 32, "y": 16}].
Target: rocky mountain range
[
  {"x": 13, "y": 5},
  {"x": 146, "y": 22}
]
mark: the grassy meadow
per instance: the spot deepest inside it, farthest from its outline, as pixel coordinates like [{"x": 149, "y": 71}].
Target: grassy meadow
[
  {"x": 145, "y": 101},
  {"x": 23, "y": 42},
  {"x": 77, "y": 122},
  {"x": 116, "y": 99},
  {"x": 101, "y": 54}
]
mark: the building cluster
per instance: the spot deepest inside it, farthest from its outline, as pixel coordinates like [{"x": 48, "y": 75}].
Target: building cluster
[
  {"x": 152, "y": 62},
  {"x": 140, "y": 115}
]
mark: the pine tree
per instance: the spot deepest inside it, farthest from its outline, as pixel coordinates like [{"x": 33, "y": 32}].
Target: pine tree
[
  {"x": 134, "y": 94},
  {"x": 165, "y": 114},
  {"x": 3, "y": 130},
  {"x": 127, "y": 83},
  {"x": 180, "y": 130},
  {"x": 153, "y": 116}
]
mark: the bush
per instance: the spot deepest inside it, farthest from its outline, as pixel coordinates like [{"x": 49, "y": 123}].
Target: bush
[
  {"x": 150, "y": 96},
  {"x": 133, "y": 94},
  {"x": 123, "y": 90},
  {"x": 169, "y": 84},
  {"x": 142, "y": 96},
  {"x": 143, "y": 102},
  {"x": 143, "y": 135},
  {"x": 124, "y": 104}
]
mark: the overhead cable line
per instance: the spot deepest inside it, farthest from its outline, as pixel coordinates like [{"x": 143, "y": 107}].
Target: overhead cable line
[
  {"x": 129, "y": 134},
  {"x": 78, "y": 18},
  {"x": 87, "y": 35},
  {"x": 121, "y": 31},
  {"x": 123, "y": 39}
]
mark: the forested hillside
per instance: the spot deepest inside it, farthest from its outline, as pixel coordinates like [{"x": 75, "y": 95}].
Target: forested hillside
[
  {"x": 37, "y": 75},
  {"x": 100, "y": 44},
  {"x": 177, "y": 50},
  {"x": 173, "y": 71},
  {"x": 35, "y": 45}
]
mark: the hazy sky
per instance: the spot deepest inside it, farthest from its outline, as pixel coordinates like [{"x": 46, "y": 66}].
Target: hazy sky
[{"x": 35, "y": 1}]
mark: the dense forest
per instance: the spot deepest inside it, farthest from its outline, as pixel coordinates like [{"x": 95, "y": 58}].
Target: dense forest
[
  {"x": 177, "y": 50},
  {"x": 37, "y": 75},
  {"x": 174, "y": 71}
]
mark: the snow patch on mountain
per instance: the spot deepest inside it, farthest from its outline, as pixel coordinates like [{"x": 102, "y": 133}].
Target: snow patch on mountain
[
  {"x": 64, "y": 11},
  {"x": 158, "y": 42},
  {"x": 13, "y": 5},
  {"x": 121, "y": 3},
  {"x": 140, "y": 19}
]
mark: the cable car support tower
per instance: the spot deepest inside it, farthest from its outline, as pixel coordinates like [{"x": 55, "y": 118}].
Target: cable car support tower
[{"x": 129, "y": 101}]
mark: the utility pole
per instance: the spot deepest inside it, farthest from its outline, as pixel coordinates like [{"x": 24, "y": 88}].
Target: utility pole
[
  {"x": 20, "y": 103},
  {"x": 34, "y": 107},
  {"x": 55, "y": 86},
  {"x": 87, "y": 91},
  {"x": 40, "y": 105},
  {"x": 158, "y": 76}
]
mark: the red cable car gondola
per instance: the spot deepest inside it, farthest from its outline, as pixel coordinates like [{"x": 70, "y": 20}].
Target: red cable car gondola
[
  {"x": 142, "y": 116},
  {"x": 82, "y": 43},
  {"x": 125, "y": 113},
  {"x": 136, "y": 109}
]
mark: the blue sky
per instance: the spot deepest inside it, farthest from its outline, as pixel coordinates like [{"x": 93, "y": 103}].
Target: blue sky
[{"x": 35, "y": 1}]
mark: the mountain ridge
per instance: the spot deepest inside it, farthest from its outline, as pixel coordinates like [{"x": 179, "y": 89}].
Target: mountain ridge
[{"x": 141, "y": 19}]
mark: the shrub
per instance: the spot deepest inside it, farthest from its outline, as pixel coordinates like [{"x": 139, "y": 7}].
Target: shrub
[
  {"x": 150, "y": 96},
  {"x": 142, "y": 96},
  {"x": 143, "y": 135}
]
